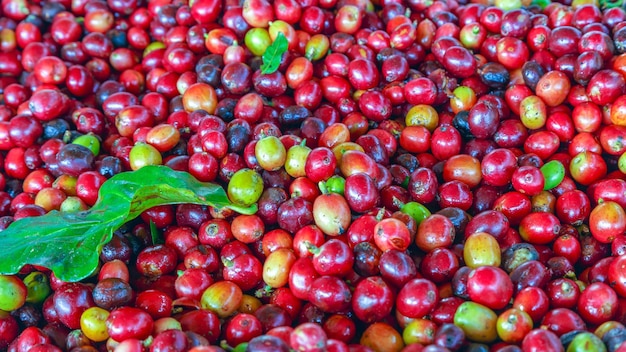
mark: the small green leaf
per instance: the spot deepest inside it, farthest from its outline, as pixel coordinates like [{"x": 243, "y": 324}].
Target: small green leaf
[
  {"x": 155, "y": 233},
  {"x": 608, "y": 4},
  {"x": 70, "y": 243},
  {"x": 541, "y": 3},
  {"x": 273, "y": 54}
]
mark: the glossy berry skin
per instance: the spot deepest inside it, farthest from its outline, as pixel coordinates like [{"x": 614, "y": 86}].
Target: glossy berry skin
[
  {"x": 14, "y": 292},
  {"x": 9, "y": 328},
  {"x": 308, "y": 337},
  {"x": 320, "y": 164},
  {"x": 242, "y": 328},
  {"x": 597, "y": 303},
  {"x": 422, "y": 175},
  {"x": 540, "y": 228},
  {"x": 372, "y": 299},
  {"x": 156, "y": 261},
  {"x": 70, "y": 301},
  {"x": 155, "y": 302},
  {"x": 417, "y": 298},
  {"x": 330, "y": 294},
  {"x": 129, "y": 323},
  {"x": 29, "y": 338},
  {"x": 333, "y": 258},
  {"x": 486, "y": 278}
]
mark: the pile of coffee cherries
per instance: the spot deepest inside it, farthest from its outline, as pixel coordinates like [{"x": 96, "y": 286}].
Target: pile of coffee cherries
[{"x": 429, "y": 175}]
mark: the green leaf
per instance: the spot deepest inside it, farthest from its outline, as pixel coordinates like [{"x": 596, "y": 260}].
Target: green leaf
[
  {"x": 608, "y": 4},
  {"x": 70, "y": 243},
  {"x": 155, "y": 234},
  {"x": 541, "y": 3},
  {"x": 273, "y": 54}
]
